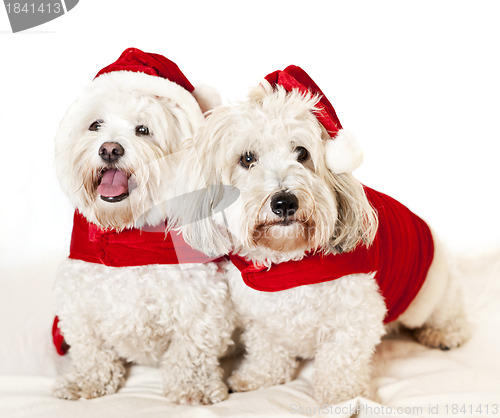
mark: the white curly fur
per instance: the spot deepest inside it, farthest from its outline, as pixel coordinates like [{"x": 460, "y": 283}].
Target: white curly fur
[
  {"x": 176, "y": 317},
  {"x": 339, "y": 323}
]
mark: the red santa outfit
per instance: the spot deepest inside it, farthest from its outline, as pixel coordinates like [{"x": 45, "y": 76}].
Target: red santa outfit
[{"x": 400, "y": 256}]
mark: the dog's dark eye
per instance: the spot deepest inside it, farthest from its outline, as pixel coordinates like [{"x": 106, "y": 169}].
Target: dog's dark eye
[
  {"x": 302, "y": 154},
  {"x": 141, "y": 130},
  {"x": 96, "y": 125},
  {"x": 248, "y": 159}
]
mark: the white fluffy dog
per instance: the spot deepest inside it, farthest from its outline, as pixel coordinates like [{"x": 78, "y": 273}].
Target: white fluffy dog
[
  {"x": 128, "y": 292},
  {"x": 301, "y": 233}
]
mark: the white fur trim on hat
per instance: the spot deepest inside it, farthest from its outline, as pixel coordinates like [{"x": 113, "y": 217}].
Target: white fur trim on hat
[
  {"x": 343, "y": 153},
  {"x": 142, "y": 83}
]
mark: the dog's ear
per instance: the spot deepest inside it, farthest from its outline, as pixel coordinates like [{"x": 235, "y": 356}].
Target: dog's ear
[
  {"x": 73, "y": 126},
  {"x": 357, "y": 221},
  {"x": 187, "y": 120},
  {"x": 201, "y": 218},
  {"x": 208, "y": 233}
]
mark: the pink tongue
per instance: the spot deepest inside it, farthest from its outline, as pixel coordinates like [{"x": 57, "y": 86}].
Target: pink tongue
[{"x": 114, "y": 183}]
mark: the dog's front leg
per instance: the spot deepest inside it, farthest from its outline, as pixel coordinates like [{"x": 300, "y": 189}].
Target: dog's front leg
[
  {"x": 192, "y": 375},
  {"x": 265, "y": 363},
  {"x": 343, "y": 372},
  {"x": 344, "y": 354},
  {"x": 96, "y": 371}
]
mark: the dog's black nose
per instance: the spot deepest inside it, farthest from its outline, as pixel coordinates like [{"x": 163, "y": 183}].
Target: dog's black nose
[
  {"x": 284, "y": 204},
  {"x": 111, "y": 151}
]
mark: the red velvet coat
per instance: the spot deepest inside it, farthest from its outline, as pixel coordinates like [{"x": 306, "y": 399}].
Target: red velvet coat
[
  {"x": 401, "y": 255},
  {"x": 130, "y": 247}
]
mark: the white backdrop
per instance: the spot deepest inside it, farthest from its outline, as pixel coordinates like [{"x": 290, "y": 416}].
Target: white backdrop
[{"x": 417, "y": 82}]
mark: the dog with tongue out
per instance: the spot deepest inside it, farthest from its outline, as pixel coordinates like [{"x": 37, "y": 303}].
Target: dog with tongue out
[
  {"x": 129, "y": 292},
  {"x": 113, "y": 186}
]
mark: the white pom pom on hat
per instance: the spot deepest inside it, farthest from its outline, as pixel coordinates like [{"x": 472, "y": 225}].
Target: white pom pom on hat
[{"x": 343, "y": 152}]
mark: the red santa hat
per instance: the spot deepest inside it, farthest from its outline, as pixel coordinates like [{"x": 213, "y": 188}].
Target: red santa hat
[
  {"x": 133, "y": 59},
  {"x": 148, "y": 73},
  {"x": 343, "y": 152}
]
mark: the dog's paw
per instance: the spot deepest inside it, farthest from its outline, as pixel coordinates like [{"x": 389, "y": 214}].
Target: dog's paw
[
  {"x": 92, "y": 385},
  {"x": 73, "y": 390},
  {"x": 66, "y": 389},
  {"x": 245, "y": 381},
  {"x": 445, "y": 339},
  {"x": 239, "y": 382},
  {"x": 338, "y": 393},
  {"x": 198, "y": 394}
]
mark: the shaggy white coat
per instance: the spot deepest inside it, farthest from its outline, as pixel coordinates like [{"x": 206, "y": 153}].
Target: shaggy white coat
[
  {"x": 176, "y": 317},
  {"x": 338, "y": 323}
]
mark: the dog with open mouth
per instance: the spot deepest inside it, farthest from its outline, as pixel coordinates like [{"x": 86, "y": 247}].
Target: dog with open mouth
[
  {"x": 321, "y": 263},
  {"x": 129, "y": 291}
]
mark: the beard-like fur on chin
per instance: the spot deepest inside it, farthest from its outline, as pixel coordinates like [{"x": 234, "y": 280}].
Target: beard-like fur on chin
[
  {"x": 285, "y": 236},
  {"x": 294, "y": 233},
  {"x": 274, "y": 241},
  {"x": 118, "y": 218}
]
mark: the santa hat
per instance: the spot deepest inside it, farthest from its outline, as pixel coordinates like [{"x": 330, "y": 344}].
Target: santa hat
[
  {"x": 149, "y": 73},
  {"x": 343, "y": 152}
]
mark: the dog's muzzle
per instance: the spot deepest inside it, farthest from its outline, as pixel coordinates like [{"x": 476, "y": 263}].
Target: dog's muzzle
[{"x": 113, "y": 186}]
